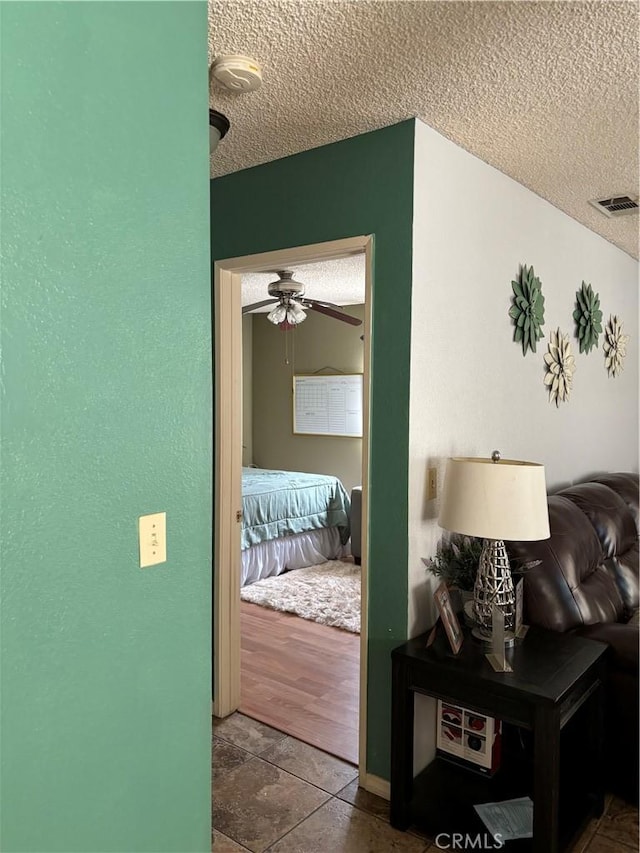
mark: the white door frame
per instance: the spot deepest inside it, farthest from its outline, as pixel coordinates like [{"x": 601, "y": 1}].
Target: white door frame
[{"x": 228, "y": 460}]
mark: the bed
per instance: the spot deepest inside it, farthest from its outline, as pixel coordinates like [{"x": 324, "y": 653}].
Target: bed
[{"x": 291, "y": 519}]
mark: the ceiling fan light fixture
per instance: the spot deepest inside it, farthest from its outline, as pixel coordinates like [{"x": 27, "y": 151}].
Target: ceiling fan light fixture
[
  {"x": 287, "y": 315},
  {"x": 292, "y": 305},
  {"x": 278, "y": 314},
  {"x": 285, "y": 285},
  {"x": 295, "y": 314}
]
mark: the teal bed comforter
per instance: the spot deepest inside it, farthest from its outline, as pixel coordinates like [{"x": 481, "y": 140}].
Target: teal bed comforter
[{"x": 280, "y": 503}]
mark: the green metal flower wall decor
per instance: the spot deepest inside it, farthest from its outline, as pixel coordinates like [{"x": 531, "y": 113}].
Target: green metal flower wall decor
[
  {"x": 527, "y": 310},
  {"x": 588, "y": 317}
]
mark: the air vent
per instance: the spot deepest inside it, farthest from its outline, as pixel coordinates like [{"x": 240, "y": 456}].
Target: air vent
[{"x": 617, "y": 205}]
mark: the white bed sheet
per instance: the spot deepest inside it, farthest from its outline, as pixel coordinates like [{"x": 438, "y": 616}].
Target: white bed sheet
[{"x": 291, "y": 552}]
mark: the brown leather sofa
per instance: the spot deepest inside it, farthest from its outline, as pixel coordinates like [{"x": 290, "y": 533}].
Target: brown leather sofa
[{"x": 587, "y": 582}]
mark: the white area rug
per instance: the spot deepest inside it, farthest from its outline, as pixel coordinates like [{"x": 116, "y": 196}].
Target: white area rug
[{"x": 328, "y": 593}]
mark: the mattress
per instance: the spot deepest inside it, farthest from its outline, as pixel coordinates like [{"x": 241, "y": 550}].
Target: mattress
[
  {"x": 283, "y": 503},
  {"x": 291, "y": 519}
]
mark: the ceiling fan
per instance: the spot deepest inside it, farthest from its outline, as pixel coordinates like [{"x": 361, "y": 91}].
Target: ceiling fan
[{"x": 290, "y": 304}]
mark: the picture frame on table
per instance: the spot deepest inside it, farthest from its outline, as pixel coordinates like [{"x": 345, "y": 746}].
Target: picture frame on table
[{"x": 448, "y": 617}]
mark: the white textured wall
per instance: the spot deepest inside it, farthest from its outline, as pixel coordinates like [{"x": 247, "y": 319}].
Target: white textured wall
[{"x": 471, "y": 388}]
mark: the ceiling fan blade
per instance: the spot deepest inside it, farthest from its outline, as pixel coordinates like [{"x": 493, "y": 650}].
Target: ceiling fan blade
[
  {"x": 247, "y": 308},
  {"x": 332, "y": 312},
  {"x": 309, "y": 302}
]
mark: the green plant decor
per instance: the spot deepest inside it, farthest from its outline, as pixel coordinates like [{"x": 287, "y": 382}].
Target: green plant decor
[
  {"x": 527, "y": 310},
  {"x": 588, "y": 317},
  {"x": 456, "y": 561}
]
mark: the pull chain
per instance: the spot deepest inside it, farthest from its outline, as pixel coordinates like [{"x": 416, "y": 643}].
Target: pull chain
[
  {"x": 293, "y": 348},
  {"x": 288, "y": 332}
]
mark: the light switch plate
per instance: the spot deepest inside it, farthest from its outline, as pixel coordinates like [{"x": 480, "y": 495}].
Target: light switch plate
[{"x": 152, "y": 535}]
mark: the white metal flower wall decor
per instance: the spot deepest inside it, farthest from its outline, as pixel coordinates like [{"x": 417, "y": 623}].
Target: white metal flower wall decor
[
  {"x": 614, "y": 346},
  {"x": 561, "y": 366}
]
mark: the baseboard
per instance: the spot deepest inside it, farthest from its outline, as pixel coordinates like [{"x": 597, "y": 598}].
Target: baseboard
[{"x": 375, "y": 785}]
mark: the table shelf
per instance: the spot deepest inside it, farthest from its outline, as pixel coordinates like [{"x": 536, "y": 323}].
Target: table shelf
[
  {"x": 551, "y": 710},
  {"x": 444, "y": 795},
  {"x": 445, "y": 792}
]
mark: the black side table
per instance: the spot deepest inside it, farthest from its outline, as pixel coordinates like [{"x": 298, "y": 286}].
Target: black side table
[{"x": 555, "y": 676}]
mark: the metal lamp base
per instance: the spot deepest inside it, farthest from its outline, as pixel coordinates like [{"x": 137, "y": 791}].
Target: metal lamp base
[
  {"x": 484, "y": 634},
  {"x": 493, "y": 588},
  {"x": 485, "y": 639}
]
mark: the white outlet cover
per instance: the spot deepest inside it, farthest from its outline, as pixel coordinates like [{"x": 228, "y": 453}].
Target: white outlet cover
[{"x": 152, "y": 536}]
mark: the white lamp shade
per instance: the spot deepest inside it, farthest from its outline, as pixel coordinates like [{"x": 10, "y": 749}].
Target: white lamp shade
[{"x": 495, "y": 500}]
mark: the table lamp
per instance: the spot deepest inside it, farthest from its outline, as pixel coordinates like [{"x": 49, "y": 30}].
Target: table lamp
[{"x": 496, "y": 500}]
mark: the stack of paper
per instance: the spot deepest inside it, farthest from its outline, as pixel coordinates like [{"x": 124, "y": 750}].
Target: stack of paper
[{"x": 509, "y": 819}]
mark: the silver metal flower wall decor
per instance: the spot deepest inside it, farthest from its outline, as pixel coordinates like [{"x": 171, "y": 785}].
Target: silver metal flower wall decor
[
  {"x": 527, "y": 310},
  {"x": 561, "y": 366},
  {"x": 615, "y": 346},
  {"x": 588, "y": 317}
]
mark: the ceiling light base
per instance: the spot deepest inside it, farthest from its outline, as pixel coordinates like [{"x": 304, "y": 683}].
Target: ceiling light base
[{"x": 218, "y": 128}]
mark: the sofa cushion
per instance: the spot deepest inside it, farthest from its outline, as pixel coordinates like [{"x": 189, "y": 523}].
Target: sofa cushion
[
  {"x": 626, "y": 486},
  {"x": 570, "y": 587},
  {"x": 615, "y": 527},
  {"x": 625, "y": 569}
]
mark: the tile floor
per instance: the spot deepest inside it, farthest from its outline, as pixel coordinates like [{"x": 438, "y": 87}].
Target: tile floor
[{"x": 274, "y": 793}]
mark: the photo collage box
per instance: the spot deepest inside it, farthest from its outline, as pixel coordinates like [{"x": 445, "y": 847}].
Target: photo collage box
[{"x": 467, "y": 737}]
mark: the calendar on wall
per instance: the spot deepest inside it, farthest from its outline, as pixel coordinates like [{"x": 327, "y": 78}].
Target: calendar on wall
[{"x": 328, "y": 405}]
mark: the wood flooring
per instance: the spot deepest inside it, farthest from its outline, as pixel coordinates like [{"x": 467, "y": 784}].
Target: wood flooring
[{"x": 302, "y": 678}]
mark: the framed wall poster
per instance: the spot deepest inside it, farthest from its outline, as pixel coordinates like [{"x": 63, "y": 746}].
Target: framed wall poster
[{"x": 448, "y": 617}]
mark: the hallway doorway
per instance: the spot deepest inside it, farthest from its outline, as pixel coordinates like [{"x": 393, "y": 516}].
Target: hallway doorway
[{"x": 228, "y": 462}]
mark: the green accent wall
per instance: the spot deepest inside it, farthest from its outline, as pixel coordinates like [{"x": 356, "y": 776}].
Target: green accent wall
[
  {"x": 106, "y": 415},
  {"x": 362, "y": 185}
]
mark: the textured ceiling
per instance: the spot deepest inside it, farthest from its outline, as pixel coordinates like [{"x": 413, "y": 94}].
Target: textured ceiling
[
  {"x": 547, "y": 92},
  {"x": 341, "y": 282}
]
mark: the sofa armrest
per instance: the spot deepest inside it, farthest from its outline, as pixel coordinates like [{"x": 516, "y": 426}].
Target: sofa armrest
[{"x": 622, "y": 640}]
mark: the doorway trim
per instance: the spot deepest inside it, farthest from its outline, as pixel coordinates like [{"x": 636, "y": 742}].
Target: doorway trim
[{"x": 228, "y": 461}]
